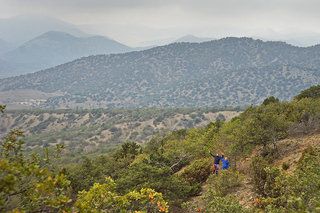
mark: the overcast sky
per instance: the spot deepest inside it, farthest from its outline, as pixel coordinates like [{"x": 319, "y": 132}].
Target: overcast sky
[
  {"x": 275, "y": 14},
  {"x": 219, "y": 16}
]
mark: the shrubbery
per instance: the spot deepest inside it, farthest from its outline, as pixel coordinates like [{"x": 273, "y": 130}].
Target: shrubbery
[
  {"x": 225, "y": 181},
  {"x": 214, "y": 203},
  {"x": 198, "y": 172},
  {"x": 263, "y": 177}
]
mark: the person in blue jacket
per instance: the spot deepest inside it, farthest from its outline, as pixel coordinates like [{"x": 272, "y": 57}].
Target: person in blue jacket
[{"x": 225, "y": 162}]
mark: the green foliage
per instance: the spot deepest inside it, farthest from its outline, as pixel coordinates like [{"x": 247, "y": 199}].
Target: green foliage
[
  {"x": 198, "y": 172},
  {"x": 159, "y": 166},
  {"x": 45, "y": 127},
  {"x": 158, "y": 177},
  {"x": 269, "y": 100},
  {"x": 214, "y": 203},
  {"x": 25, "y": 183},
  {"x": 263, "y": 126},
  {"x": 309, "y": 150},
  {"x": 103, "y": 198},
  {"x": 312, "y": 92},
  {"x": 2, "y": 107},
  {"x": 128, "y": 150},
  {"x": 285, "y": 166},
  {"x": 271, "y": 188},
  {"x": 225, "y": 181},
  {"x": 298, "y": 191},
  {"x": 258, "y": 174}
]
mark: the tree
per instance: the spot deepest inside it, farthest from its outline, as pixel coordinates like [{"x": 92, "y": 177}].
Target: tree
[
  {"x": 269, "y": 100},
  {"x": 264, "y": 126},
  {"x": 25, "y": 183},
  {"x": 128, "y": 150},
  {"x": 312, "y": 92}
]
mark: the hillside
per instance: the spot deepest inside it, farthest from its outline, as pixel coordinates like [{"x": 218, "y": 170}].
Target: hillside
[
  {"x": 5, "y": 46},
  {"x": 229, "y": 71},
  {"x": 271, "y": 155},
  {"x": 105, "y": 128},
  {"x": 291, "y": 150}
]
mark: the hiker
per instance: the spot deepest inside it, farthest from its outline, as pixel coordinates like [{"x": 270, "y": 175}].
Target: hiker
[
  {"x": 216, "y": 162},
  {"x": 225, "y": 162},
  {"x": 213, "y": 168}
]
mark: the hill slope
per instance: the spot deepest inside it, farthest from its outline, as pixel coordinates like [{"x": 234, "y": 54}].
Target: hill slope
[
  {"x": 230, "y": 71},
  {"x": 105, "y": 128}
]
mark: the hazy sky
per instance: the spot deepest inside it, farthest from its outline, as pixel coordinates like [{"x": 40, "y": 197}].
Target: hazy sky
[{"x": 276, "y": 14}]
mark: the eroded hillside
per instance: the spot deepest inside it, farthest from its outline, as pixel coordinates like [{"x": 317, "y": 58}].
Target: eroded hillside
[{"x": 104, "y": 128}]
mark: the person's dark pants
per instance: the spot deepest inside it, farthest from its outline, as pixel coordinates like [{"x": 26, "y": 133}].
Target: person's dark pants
[{"x": 217, "y": 169}]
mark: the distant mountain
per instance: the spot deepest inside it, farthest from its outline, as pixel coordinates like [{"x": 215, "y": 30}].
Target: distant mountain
[
  {"x": 6, "y": 70},
  {"x": 5, "y": 46},
  {"x": 191, "y": 39},
  {"x": 54, "y": 48},
  {"x": 229, "y": 71},
  {"x": 20, "y": 29}
]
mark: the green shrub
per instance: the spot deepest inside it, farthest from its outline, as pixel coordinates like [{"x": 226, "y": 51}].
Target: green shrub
[
  {"x": 226, "y": 180},
  {"x": 270, "y": 188},
  {"x": 214, "y": 203},
  {"x": 297, "y": 191},
  {"x": 198, "y": 172},
  {"x": 309, "y": 150},
  {"x": 262, "y": 177},
  {"x": 285, "y": 166}
]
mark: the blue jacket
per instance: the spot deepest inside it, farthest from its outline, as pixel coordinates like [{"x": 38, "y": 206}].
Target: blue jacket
[{"x": 225, "y": 163}]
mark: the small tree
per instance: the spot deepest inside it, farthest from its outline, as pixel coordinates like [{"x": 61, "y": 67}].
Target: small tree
[
  {"x": 25, "y": 183},
  {"x": 269, "y": 100}
]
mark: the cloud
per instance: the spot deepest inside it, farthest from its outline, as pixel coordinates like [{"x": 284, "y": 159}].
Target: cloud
[{"x": 277, "y": 14}]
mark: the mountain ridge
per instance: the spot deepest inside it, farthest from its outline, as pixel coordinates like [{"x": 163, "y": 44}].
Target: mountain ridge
[{"x": 148, "y": 78}]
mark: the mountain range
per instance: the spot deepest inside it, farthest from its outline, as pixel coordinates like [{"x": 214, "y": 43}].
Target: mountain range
[
  {"x": 54, "y": 48},
  {"x": 30, "y": 43},
  {"x": 229, "y": 71}
]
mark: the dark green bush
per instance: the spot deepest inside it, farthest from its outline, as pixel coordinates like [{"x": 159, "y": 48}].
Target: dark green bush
[
  {"x": 285, "y": 166},
  {"x": 198, "y": 172}
]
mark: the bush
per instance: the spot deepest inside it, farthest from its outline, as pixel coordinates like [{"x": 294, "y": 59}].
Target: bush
[
  {"x": 309, "y": 150},
  {"x": 299, "y": 189},
  {"x": 264, "y": 177},
  {"x": 198, "y": 172},
  {"x": 285, "y": 166},
  {"x": 215, "y": 203},
  {"x": 103, "y": 198},
  {"x": 226, "y": 180}
]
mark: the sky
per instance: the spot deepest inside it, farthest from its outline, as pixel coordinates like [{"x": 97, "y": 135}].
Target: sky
[{"x": 278, "y": 15}]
